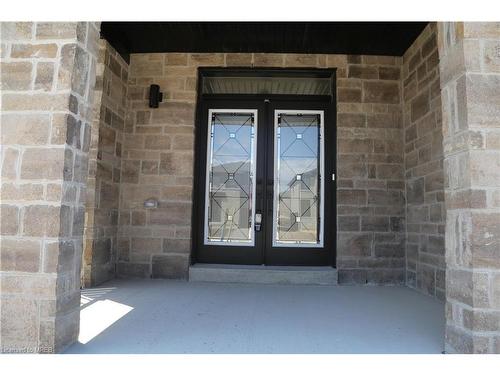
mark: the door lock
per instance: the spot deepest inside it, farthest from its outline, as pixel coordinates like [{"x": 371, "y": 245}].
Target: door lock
[{"x": 258, "y": 221}]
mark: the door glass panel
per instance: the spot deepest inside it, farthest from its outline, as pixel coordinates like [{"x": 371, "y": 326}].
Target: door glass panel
[
  {"x": 230, "y": 187},
  {"x": 298, "y": 184}
]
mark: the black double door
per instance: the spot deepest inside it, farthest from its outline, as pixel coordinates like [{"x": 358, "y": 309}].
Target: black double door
[{"x": 265, "y": 182}]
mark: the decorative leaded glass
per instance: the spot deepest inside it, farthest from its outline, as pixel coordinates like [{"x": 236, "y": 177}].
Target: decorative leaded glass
[
  {"x": 230, "y": 177},
  {"x": 298, "y": 184}
]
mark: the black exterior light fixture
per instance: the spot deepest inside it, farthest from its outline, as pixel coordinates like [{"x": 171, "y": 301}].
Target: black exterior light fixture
[{"x": 155, "y": 96}]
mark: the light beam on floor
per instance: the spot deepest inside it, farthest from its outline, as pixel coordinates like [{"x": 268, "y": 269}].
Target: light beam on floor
[{"x": 98, "y": 316}]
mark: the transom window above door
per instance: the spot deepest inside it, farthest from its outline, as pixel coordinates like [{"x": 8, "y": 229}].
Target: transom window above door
[{"x": 267, "y": 82}]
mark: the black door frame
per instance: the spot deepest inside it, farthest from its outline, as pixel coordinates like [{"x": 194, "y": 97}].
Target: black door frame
[{"x": 240, "y": 254}]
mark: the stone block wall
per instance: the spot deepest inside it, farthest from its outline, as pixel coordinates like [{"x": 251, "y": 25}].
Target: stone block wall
[
  {"x": 370, "y": 187},
  {"x": 47, "y": 82},
  {"x": 158, "y": 150},
  {"x": 103, "y": 183},
  {"x": 470, "y": 84},
  {"x": 423, "y": 155}
]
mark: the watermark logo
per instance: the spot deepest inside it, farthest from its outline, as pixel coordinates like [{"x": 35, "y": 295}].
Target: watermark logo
[{"x": 27, "y": 349}]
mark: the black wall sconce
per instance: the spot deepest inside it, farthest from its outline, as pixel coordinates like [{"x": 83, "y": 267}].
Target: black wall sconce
[{"x": 155, "y": 96}]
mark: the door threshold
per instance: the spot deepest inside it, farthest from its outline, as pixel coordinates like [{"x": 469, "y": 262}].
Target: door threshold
[{"x": 261, "y": 274}]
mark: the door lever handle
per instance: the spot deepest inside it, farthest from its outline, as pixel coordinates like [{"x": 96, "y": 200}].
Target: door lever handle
[{"x": 258, "y": 221}]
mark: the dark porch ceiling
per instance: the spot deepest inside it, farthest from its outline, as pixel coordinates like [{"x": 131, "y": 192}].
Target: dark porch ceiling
[{"x": 368, "y": 38}]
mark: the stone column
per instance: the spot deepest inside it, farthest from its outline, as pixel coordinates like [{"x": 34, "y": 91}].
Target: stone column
[
  {"x": 470, "y": 85},
  {"x": 47, "y": 83}
]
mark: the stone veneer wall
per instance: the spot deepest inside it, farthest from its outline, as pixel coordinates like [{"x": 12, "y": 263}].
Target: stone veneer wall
[
  {"x": 47, "y": 87},
  {"x": 103, "y": 183},
  {"x": 470, "y": 84},
  {"x": 423, "y": 153},
  {"x": 157, "y": 162}
]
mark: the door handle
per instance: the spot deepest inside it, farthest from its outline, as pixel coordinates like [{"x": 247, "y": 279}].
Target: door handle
[{"x": 258, "y": 221}]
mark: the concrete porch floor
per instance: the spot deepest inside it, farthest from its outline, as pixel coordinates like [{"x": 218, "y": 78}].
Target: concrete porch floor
[{"x": 161, "y": 316}]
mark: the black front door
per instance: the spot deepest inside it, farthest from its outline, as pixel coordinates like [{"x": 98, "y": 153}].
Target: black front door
[{"x": 265, "y": 181}]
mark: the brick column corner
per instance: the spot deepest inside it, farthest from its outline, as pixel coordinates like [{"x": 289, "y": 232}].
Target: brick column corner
[
  {"x": 470, "y": 85},
  {"x": 47, "y": 82}
]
